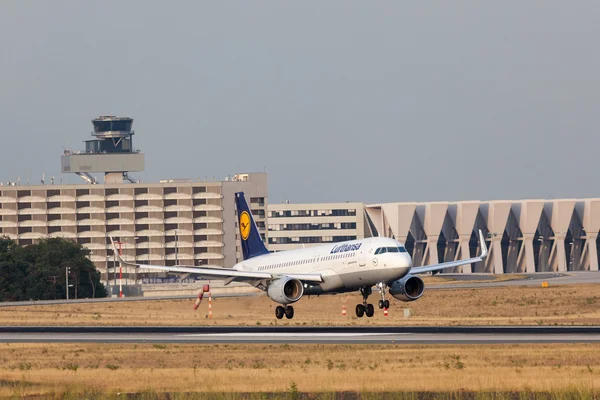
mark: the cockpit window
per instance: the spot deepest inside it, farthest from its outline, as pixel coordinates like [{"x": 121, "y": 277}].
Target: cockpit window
[
  {"x": 380, "y": 250},
  {"x": 398, "y": 249}
]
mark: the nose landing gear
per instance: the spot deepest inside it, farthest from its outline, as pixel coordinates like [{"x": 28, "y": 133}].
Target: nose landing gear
[
  {"x": 383, "y": 303},
  {"x": 365, "y": 308},
  {"x": 288, "y": 311}
]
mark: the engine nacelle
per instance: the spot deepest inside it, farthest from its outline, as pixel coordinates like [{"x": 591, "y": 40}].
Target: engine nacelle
[
  {"x": 285, "y": 290},
  {"x": 409, "y": 288}
]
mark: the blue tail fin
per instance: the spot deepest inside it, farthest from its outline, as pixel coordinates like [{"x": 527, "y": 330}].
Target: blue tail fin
[{"x": 252, "y": 244}]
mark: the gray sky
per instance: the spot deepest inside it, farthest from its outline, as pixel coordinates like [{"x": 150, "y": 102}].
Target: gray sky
[{"x": 337, "y": 100}]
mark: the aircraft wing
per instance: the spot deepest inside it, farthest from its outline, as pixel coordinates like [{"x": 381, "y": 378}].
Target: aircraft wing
[
  {"x": 220, "y": 273},
  {"x": 457, "y": 263}
]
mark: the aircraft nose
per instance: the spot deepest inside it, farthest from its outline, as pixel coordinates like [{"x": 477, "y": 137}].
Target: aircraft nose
[{"x": 406, "y": 260}]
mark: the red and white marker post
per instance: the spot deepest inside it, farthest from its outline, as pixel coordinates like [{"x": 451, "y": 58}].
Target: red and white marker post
[
  {"x": 205, "y": 288},
  {"x": 344, "y": 306}
]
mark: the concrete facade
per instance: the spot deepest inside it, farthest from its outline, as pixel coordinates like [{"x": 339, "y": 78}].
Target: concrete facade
[
  {"x": 524, "y": 236},
  {"x": 293, "y": 226},
  {"x": 174, "y": 222}
]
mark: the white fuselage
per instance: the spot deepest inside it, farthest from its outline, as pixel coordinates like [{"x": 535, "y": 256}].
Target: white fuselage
[{"x": 344, "y": 266}]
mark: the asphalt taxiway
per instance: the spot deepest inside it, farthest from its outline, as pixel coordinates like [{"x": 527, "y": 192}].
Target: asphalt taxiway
[{"x": 307, "y": 335}]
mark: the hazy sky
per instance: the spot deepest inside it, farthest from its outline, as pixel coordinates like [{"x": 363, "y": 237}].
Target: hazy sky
[{"x": 337, "y": 100}]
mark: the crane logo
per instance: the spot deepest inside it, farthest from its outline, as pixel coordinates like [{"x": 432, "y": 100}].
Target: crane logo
[{"x": 245, "y": 225}]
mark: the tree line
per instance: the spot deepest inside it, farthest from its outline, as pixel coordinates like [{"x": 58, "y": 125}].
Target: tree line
[{"x": 37, "y": 271}]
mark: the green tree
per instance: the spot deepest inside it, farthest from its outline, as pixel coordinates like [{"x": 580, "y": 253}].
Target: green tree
[{"x": 37, "y": 272}]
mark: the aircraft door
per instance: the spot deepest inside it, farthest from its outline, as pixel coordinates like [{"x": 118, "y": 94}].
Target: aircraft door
[{"x": 362, "y": 258}]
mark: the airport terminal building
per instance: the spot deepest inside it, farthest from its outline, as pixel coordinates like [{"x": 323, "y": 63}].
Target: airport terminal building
[
  {"x": 188, "y": 223},
  {"x": 523, "y": 236},
  {"x": 293, "y": 226}
]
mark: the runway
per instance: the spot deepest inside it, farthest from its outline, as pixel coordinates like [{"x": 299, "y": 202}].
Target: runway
[{"x": 301, "y": 335}]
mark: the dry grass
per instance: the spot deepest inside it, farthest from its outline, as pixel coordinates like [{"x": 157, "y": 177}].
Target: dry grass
[
  {"x": 37, "y": 369},
  {"x": 558, "y": 305}
]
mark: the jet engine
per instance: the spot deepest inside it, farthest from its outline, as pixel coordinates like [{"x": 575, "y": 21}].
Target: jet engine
[
  {"x": 285, "y": 290},
  {"x": 409, "y": 288}
]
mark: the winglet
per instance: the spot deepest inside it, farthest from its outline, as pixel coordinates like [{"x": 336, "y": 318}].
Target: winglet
[
  {"x": 484, "y": 249},
  {"x": 116, "y": 251}
]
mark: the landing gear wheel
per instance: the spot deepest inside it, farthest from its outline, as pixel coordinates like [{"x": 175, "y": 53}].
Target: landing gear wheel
[
  {"x": 279, "y": 311},
  {"x": 360, "y": 310},
  {"x": 289, "y": 312},
  {"x": 370, "y": 311},
  {"x": 386, "y": 304},
  {"x": 381, "y": 304}
]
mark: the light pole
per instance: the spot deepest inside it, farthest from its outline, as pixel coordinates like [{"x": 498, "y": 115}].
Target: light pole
[
  {"x": 176, "y": 249},
  {"x": 67, "y": 270},
  {"x": 120, "y": 269}
]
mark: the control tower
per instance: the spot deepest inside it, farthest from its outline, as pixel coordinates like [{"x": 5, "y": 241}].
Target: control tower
[{"x": 110, "y": 152}]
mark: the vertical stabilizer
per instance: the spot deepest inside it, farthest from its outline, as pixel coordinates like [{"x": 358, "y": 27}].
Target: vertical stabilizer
[{"x": 252, "y": 244}]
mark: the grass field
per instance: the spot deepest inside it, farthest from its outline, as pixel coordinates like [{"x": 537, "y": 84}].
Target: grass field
[
  {"x": 28, "y": 369},
  {"x": 556, "y": 305}
]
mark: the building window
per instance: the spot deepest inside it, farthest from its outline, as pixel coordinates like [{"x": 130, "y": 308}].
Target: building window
[
  {"x": 23, "y": 193},
  {"x": 170, "y": 214},
  {"x": 82, "y": 192},
  {"x": 83, "y": 228},
  {"x": 24, "y": 218},
  {"x": 53, "y": 192},
  {"x": 54, "y": 217},
  {"x": 199, "y": 189},
  {"x": 169, "y": 190},
  {"x": 112, "y": 216},
  {"x": 140, "y": 203},
  {"x": 142, "y": 227},
  {"x": 26, "y": 229},
  {"x": 140, "y": 215},
  {"x": 53, "y": 229},
  {"x": 22, "y": 206},
  {"x": 141, "y": 252},
  {"x": 112, "y": 228},
  {"x": 52, "y": 204},
  {"x": 111, "y": 191},
  {"x": 170, "y": 227},
  {"x": 80, "y": 217},
  {"x": 170, "y": 203},
  {"x": 111, "y": 203},
  {"x": 138, "y": 191},
  {"x": 81, "y": 204}
]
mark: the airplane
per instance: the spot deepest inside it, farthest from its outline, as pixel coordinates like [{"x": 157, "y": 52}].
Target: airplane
[{"x": 340, "y": 267}]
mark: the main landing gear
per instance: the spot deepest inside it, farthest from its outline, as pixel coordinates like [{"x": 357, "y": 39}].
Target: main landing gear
[
  {"x": 364, "y": 308},
  {"x": 288, "y": 311},
  {"x": 383, "y": 303}
]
